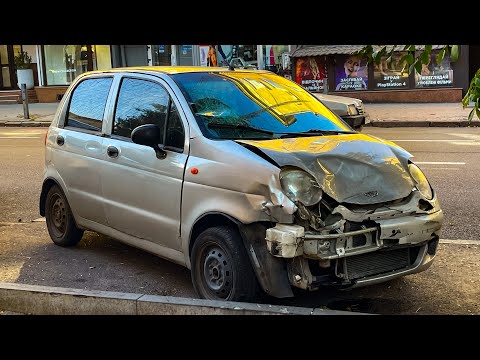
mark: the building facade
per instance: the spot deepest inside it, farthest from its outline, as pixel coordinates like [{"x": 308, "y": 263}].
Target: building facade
[
  {"x": 325, "y": 68},
  {"x": 56, "y": 66},
  {"x": 333, "y": 69}
]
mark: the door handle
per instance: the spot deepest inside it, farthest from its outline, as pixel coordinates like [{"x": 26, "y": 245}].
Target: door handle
[
  {"x": 112, "y": 151},
  {"x": 60, "y": 140}
]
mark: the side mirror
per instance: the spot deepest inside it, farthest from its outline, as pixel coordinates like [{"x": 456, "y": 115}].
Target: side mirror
[{"x": 149, "y": 135}]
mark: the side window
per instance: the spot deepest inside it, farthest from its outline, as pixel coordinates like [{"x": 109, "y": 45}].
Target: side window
[
  {"x": 87, "y": 104},
  {"x": 175, "y": 133},
  {"x": 140, "y": 102}
]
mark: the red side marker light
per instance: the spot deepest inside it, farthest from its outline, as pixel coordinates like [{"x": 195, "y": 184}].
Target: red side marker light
[{"x": 194, "y": 171}]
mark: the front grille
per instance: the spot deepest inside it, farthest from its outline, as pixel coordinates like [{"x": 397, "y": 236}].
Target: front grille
[{"x": 377, "y": 262}]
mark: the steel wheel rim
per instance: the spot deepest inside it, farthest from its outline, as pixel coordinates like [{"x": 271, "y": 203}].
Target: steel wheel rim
[
  {"x": 58, "y": 215},
  {"x": 217, "y": 271}
]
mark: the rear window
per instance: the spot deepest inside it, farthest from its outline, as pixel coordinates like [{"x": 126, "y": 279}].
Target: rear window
[{"x": 87, "y": 104}]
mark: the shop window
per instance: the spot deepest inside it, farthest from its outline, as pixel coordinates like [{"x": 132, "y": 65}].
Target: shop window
[
  {"x": 273, "y": 58},
  {"x": 391, "y": 75},
  {"x": 351, "y": 73},
  {"x": 63, "y": 63},
  {"x": 161, "y": 55},
  {"x": 311, "y": 73},
  {"x": 435, "y": 74}
]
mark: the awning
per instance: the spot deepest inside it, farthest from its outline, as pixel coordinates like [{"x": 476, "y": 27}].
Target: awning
[{"x": 319, "y": 50}]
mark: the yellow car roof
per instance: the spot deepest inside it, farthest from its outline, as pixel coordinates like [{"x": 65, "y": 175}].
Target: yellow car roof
[{"x": 173, "y": 69}]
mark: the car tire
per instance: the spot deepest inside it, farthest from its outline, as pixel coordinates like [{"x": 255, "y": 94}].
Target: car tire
[
  {"x": 59, "y": 218},
  {"x": 221, "y": 269}
]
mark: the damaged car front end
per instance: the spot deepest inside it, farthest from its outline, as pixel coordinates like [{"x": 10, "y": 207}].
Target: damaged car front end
[
  {"x": 365, "y": 213},
  {"x": 316, "y": 204}
]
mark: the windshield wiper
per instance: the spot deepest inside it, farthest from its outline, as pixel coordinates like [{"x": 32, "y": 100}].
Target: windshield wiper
[
  {"x": 238, "y": 126},
  {"x": 315, "y": 132}
]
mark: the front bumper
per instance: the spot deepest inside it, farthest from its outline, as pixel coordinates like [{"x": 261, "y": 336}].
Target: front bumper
[
  {"x": 289, "y": 241},
  {"x": 407, "y": 230},
  {"x": 389, "y": 249}
]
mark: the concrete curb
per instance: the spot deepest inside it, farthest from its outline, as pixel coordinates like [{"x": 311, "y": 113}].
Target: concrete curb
[
  {"x": 25, "y": 124},
  {"x": 46, "y": 300},
  {"x": 413, "y": 123}
]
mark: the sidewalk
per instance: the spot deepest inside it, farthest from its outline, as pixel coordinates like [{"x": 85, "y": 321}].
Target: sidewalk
[
  {"x": 419, "y": 114},
  {"x": 381, "y": 115},
  {"x": 41, "y": 114}
]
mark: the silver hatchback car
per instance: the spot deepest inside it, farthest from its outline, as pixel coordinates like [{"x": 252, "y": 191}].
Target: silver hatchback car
[{"x": 242, "y": 176}]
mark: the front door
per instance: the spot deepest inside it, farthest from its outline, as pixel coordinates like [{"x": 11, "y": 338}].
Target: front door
[
  {"x": 143, "y": 193},
  {"x": 185, "y": 55}
]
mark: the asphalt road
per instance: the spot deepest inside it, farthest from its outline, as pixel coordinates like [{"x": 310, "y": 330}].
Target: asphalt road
[{"x": 448, "y": 156}]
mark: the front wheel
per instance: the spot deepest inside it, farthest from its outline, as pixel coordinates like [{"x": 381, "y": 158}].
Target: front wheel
[
  {"x": 60, "y": 222},
  {"x": 221, "y": 269}
]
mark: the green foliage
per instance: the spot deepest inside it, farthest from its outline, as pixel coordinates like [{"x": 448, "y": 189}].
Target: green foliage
[
  {"x": 22, "y": 60},
  {"x": 454, "y": 53},
  {"x": 425, "y": 57},
  {"x": 473, "y": 95},
  {"x": 440, "y": 56},
  {"x": 415, "y": 61}
]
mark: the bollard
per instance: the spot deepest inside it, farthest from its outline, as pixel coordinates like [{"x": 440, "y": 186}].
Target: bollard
[{"x": 26, "y": 114}]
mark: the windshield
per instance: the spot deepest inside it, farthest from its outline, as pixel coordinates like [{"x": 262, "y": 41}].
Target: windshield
[{"x": 249, "y": 105}]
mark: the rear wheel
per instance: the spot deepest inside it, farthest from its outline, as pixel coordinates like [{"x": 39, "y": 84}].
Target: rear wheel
[
  {"x": 60, "y": 222},
  {"x": 221, "y": 269}
]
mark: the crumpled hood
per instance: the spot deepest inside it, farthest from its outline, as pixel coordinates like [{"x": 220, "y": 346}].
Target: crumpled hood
[{"x": 351, "y": 168}]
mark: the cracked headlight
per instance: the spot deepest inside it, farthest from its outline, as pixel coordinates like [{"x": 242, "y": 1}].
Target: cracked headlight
[
  {"x": 299, "y": 185},
  {"x": 421, "y": 181}
]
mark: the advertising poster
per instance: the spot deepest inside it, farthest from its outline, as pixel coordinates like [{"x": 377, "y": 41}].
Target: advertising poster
[
  {"x": 351, "y": 73},
  {"x": 310, "y": 72},
  {"x": 433, "y": 74},
  {"x": 391, "y": 75},
  {"x": 203, "y": 54}
]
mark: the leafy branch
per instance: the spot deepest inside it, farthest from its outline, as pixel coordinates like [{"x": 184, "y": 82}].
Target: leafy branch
[
  {"x": 415, "y": 60},
  {"x": 473, "y": 95}
]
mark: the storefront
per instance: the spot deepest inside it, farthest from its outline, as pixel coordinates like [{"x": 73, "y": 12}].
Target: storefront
[
  {"x": 175, "y": 55},
  {"x": 274, "y": 58},
  {"x": 333, "y": 68},
  {"x": 59, "y": 65},
  {"x": 8, "y": 77},
  {"x": 63, "y": 63}
]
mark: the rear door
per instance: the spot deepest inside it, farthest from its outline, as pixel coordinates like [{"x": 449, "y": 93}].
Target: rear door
[
  {"x": 143, "y": 193},
  {"x": 77, "y": 146}
]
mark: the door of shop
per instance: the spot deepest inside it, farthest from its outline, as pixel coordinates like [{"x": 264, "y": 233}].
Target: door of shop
[
  {"x": 185, "y": 55},
  {"x": 7, "y": 67}
]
